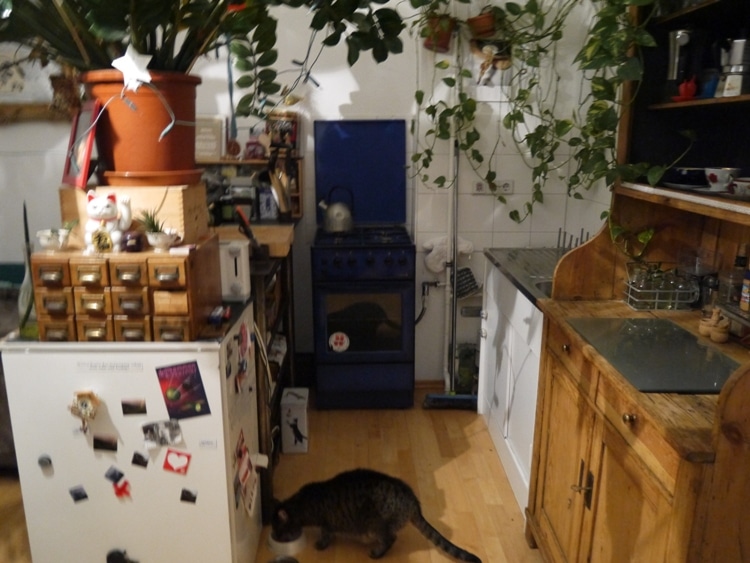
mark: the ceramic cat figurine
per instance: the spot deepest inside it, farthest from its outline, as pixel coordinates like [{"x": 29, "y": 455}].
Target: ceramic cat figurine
[
  {"x": 361, "y": 503},
  {"x": 108, "y": 219}
]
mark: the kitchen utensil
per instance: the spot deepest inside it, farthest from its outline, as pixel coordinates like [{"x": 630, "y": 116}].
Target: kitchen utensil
[{"x": 338, "y": 215}]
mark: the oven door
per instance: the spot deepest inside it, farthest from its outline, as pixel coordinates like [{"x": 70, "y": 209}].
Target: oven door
[{"x": 364, "y": 322}]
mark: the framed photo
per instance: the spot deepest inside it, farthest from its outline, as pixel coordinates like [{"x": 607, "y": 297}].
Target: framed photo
[
  {"x": 210, "y": 138},
  {"x": 81, "y": 146}
]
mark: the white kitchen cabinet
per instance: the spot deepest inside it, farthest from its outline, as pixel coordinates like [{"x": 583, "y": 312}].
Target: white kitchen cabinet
[
  {"x": 510, "y": 349},
  {"x": 165, "y": 470}
]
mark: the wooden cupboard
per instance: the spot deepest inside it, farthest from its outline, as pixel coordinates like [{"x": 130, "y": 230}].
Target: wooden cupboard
[{"x": 620, "y": 475}]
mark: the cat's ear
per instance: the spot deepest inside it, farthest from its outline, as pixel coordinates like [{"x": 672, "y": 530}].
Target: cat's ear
[
  {"x": 112, "y": 198},
  {"x": 91, "y": 194}
]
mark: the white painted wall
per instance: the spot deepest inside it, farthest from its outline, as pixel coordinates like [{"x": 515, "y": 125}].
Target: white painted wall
[{"x": 32, "y": 156}]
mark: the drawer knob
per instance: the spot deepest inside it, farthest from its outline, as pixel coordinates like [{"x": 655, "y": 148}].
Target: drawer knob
[
  {"x": 172, "y": 335},
  {"x": 57, "y": 335},
  {"x": 566, "y": 348},
  {"x": 131, "y": 304},
  {"x": 629, "y": 418}
]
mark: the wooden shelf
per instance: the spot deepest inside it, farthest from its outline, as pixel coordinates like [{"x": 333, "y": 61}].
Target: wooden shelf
[
  {"x": 697, "y": 102},
  {"x": 703, "y": 204}
]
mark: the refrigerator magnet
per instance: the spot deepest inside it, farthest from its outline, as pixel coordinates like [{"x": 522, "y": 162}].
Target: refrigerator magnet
[
  {"x": 78, "y": 493},
  {"x": 177, "y": 461},
  {"x": 84, "y": 406},
  {"x": 189, "y": 496}
]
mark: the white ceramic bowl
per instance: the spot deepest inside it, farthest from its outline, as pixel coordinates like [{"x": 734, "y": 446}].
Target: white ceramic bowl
[
  {"x": 161, "y": 242},
  {"x": 287, "y": 547},
  {"x": 53, "y": 239}
]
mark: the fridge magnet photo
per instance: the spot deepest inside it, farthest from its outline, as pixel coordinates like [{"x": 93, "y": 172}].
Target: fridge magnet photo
[
  {"x": 162, "y": 433},
  {"x": 188, "y": 496},
  {"x": 182, "y": 389},
  {"x": 113, "y": 474},
  {"x": 78, "y": 493},
  {"x": 177, "y": 461},
  {"x": 140, "y": 459},
  {"x": 104, "y": 442},
  {"x": 133, "y": 406}
]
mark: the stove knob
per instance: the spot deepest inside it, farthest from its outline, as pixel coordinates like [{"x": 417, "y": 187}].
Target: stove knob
[
  {"x": 402, "y": 259},
  {"x": 352, "y": 260},
  {"x": 388, "y": 259},
  {"x": 337, "y": 260},
  {"x": 370, "y": 259}
]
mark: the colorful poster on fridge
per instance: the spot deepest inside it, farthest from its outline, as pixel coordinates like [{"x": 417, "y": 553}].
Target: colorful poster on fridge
[{"x": 182, "y": 389}]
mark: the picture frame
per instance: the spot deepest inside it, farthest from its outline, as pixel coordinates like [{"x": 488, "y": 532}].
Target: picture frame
[
  {"x": 210, "y": 138},
  {"x": 82, "y": 145}
]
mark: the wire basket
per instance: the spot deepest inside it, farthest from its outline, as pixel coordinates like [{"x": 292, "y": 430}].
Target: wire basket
[{"x": 652, "y": 286}]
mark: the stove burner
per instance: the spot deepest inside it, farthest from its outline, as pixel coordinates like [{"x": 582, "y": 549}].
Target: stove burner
[{"x": 365, "y": 236}]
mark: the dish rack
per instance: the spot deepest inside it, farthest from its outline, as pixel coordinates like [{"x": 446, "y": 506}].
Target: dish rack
[{"x": 656, "y": 285}]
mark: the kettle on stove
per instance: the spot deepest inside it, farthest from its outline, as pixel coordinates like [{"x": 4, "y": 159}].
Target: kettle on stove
[{"x": 338, "y": 215}]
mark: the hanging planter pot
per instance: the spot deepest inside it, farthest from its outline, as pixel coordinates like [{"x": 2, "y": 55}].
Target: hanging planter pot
[
  {"x": 483, "y": 25},
  {"x": 438, "y": 33},
  {"x": 145, "y": 137}
]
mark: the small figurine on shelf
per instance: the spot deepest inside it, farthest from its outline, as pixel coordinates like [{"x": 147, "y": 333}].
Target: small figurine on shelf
[{"x": 108, "y": 219}]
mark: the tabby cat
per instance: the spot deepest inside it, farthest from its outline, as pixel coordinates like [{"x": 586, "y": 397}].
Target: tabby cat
[{"x": 362, "y": 503}]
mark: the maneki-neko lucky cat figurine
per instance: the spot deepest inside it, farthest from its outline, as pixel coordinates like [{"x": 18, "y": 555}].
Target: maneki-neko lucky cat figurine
[{"x": 108, "y": 219}]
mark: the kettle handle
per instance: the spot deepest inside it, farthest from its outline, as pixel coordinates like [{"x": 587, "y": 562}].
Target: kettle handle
[{"x": 351, "y": 195}]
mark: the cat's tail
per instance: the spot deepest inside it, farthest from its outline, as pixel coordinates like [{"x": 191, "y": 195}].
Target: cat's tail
[{"x": 428, "y": 531}]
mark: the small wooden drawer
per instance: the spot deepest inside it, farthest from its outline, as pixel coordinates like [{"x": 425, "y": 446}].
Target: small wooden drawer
[
  {"x": 94, "y": 329},
  {"x": 50, "y": 270},
  {"x": 92, "y": 302},
  {"x": 54, "y": 302},
  {"x": 130, "y": 329},
  {"x": 89, "y": 272},
  {"x": 570, "y": 353},
  {"x": 167, "y": 272},
  {"x": 639, "y": 430},
  {"x": 172, "y": 329},
  {"x": 171, "y": 302},
  {"x": 128, "y": 270},
  {"x": 57, "y": 329},
  {"x": 127, "y": 301}
]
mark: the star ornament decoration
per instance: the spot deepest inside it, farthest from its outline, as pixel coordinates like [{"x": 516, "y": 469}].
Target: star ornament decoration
[{"x": 133, "y": 67}]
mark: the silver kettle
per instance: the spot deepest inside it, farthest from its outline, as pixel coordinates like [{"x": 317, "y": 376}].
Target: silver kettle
[{"x": 338, "y": 215}]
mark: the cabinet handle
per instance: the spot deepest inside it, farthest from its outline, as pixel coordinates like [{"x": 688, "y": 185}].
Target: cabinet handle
[
  {"x": 133, "y": 334},
  {"x": 580, "y": 489},
  {"x": 51, "y": 277},
  {"x": 131, "y": 304},
  {"x": 57, "y": 335},
  {"x": 55, "y": 305},
  {"x": 629, "y": 418},
  {"x": 89, "y": 278},
  {"x": 129, "y": 276},
  {"x": 95, "y": 334},
  {"x": 566, "y": 348},
  {"x": 170, "y": 275}
]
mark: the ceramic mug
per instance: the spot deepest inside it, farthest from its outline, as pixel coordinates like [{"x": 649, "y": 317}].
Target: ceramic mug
[
  {"x": 740, "y": 187},
  {"x": 720, "y": 178}
]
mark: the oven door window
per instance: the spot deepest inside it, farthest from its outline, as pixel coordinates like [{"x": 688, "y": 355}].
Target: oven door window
[{"x": 358, "y": 322}]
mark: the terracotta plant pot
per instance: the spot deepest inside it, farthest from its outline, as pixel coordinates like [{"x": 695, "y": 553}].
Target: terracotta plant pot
[
  {"x": 128, "y": 133},
  {"x": 438, "y": 33},
  {"x": 482, "y": 26}
]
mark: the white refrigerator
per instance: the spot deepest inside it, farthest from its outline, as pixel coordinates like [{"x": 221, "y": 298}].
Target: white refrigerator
[{"x": 144, "y": 452}]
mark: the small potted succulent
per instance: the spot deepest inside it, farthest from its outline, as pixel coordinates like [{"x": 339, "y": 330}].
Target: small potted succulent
[{"x": 158, "y": 236}]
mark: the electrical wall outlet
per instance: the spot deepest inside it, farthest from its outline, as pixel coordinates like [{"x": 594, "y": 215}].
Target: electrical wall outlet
[
  {"x": 481, "y": 188},
  {"x": 504, "y": 187}
]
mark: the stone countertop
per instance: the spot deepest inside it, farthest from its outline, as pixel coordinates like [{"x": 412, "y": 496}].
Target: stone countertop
[{"x": 529, "y": 269}]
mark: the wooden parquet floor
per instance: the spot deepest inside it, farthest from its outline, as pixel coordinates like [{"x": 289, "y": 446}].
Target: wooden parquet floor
[{"x": 447, "y": 456}]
